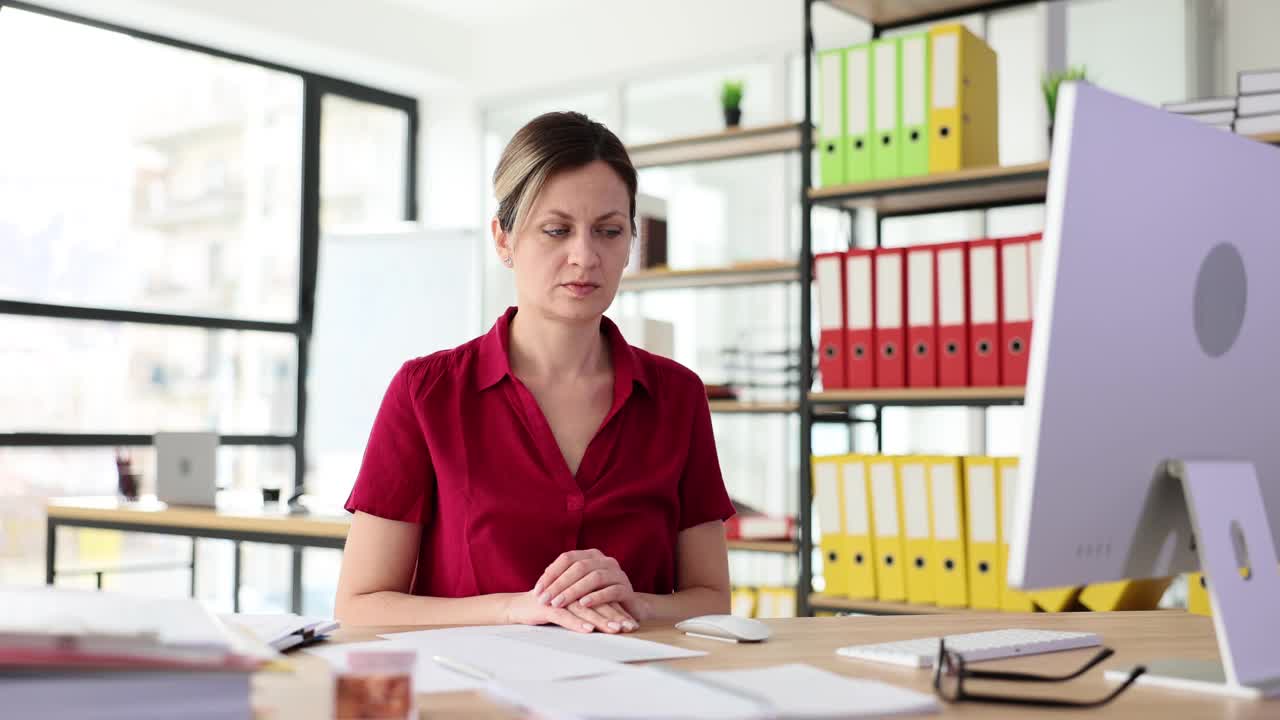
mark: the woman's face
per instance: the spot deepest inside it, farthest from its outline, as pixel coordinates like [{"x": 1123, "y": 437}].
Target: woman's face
[{"x": 569, "y": 253}]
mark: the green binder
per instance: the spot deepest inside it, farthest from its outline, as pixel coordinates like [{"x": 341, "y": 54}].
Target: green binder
[
  {"x": 859, "y": 102},
  {"x": 886, "y": 124},
  {"x": 830, "y": 139},
  {"x": 914, "y": 112}
]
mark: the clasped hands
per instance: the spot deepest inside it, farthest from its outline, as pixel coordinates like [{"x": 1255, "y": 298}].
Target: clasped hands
[{"x": 584, "y": 591}]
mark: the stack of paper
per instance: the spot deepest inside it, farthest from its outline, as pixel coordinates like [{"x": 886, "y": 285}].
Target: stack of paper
[
  {"x": 784, "y": 691},
  {"x": 190, "y": 695},
  {"x": 75, "y": 653}
]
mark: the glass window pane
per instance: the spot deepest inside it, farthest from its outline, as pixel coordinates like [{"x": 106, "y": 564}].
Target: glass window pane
[
  {"x": 363, "y": 160},
  {"x": 146, "y": 178},
  {"x": 98, "y": 377}
]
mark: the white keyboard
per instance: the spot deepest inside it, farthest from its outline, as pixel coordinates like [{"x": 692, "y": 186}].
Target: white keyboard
[{"x": 991, "y": 645}]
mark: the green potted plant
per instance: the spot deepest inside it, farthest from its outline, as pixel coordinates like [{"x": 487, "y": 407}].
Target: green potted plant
[
  {"x": 731, "y": 101},
  {"x": 1051, "y": 82}
]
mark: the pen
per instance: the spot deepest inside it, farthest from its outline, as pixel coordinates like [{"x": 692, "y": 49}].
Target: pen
[{"x": 462, "y": 668}]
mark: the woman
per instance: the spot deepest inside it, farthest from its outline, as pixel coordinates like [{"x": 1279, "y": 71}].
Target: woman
[{"x": 546, "y": 472}]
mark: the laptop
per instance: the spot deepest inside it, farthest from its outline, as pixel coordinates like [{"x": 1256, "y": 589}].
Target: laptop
[{"x": 186, "y": 469}]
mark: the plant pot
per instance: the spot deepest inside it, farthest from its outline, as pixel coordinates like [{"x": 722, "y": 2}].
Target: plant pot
[{"x": 732, "y": 116}]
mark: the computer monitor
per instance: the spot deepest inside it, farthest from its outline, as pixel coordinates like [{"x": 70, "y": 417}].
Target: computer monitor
[{"x": 1156, "y": 348}]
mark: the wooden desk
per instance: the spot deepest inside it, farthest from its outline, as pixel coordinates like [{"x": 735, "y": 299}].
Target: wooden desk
[
  {"x": 239, "y": 524},
  {"x": 1136, "y": 637}
]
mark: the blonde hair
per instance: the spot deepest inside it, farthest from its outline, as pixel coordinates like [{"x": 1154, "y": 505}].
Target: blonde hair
[{"x": 548, "y": 144}]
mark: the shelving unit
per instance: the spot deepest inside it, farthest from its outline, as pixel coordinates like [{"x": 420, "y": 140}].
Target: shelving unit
[
  {"x": 756, "y": 408},
  {"x": 907, "y": 397},
  {"x": 968, "y": 189},
  {"x": 725, "y": 145},
  {"x": 782, "y": 547},
  {"x": 832, "y": 603},
  {"x": 751, "y": 273},
  {"x": 963, "y": 189}
]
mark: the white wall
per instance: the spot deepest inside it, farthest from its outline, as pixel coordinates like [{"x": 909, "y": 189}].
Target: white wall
[
  {"x": 608, "y": 39},
  {"x": 1136, "y": 48},
  {"x": 1251, "y": 38}
]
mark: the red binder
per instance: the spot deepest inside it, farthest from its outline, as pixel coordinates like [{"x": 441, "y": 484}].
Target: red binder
[
  {"x": 1017, "y": 296},
  {"x": 828, "y": 276},
  {"x": 922, "y": 317},
  {"x": 890, "y": 325},
  {"x": 860, "y": 299},
  {"x": 952, "y": 261},
  {"x": 984, "y": 313}
]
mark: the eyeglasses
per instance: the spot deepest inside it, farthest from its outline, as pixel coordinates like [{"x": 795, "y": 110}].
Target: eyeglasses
[{"x": 949, "y": 674}]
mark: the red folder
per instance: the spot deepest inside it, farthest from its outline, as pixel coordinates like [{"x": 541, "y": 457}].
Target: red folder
[
  {"x": 1016, "y": 296},
  {"x": 859, "y": 314},
  {"x": 828, "y": 276},
  {"x": 922, "y": 317},
  {"x": 890, "y": 325},
  {"x": 953, "y": 313},
  {"x": 984, "y": 313}
]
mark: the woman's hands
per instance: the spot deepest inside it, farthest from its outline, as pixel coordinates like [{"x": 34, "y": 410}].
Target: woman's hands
[
  {"x": 589, "y": 579},
  {"x": 584, "y": 591},
  {"x": 525, "y": 609}
]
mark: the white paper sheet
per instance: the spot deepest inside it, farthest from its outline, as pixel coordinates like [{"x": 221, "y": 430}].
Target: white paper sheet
[
  {"x": 810, "y": 693},
  {"x": 633, "y": 693},
  {"x": 602, "y": 646},
  {"x": 504, "y": 659},
  {"x": 784, "y": 691}
]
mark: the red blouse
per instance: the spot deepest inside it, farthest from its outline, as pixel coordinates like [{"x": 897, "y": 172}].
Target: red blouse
[{"x": 460, "y": 446}]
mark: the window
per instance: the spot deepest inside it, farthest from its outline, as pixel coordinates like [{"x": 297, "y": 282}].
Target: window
[
  {"x": 153, "y": 178},
  {"x": 363, "y": 163},
  {"x": 160, "y": 215}
]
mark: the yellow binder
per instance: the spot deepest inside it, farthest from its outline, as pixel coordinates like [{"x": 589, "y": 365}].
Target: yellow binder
[
  {"x": 857, "y": 550},
  {"x": 1198, "y": 595},
  {"x": 913, "y": 479},
  {"x": 963, "y": 119},
  {"x": 1010, "y": 599},
  {"x": 983, "y": 532},
  {"x": 776, "y": 602},
  {"x": 1141, "y": 594},
  {"x": 1056, "y": 599},
  {"x": 827, "y": 496},
  {"x": 742, "y": 601},
  {"x": 891, "y": 580},
  {"x": 946, "y": 490}
]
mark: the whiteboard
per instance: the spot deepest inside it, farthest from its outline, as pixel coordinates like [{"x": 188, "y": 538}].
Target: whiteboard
[{"x": 383, "y": 296}]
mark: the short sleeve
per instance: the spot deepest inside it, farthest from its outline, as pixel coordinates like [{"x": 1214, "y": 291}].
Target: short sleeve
[
  {"x": 396, "y": 479},
  {"x": 703, "y": 497}
]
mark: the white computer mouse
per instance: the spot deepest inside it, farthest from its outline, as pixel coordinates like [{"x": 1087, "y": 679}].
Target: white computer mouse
[{"x": 725, "y": 627}]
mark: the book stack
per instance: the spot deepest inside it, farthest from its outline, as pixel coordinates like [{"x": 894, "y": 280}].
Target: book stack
[
  {"x": 1258, "y": 110},
  {"x": 76, "y": 653},
  {"x": 1219, "y": 112}
]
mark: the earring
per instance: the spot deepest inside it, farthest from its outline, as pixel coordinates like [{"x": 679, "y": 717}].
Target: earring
[{"x": 507, "y": 261}]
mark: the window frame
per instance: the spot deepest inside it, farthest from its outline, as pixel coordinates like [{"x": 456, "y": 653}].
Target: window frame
[{"x": 315, "y": 87}]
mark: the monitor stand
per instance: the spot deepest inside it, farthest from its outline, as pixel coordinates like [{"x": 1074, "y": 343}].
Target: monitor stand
[{"x": 1237, "y": 556}]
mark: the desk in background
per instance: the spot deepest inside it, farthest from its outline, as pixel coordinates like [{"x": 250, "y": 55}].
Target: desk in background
[
  {"x": 239, "y": 525},
  {"x": 1136, "y": 636}
]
